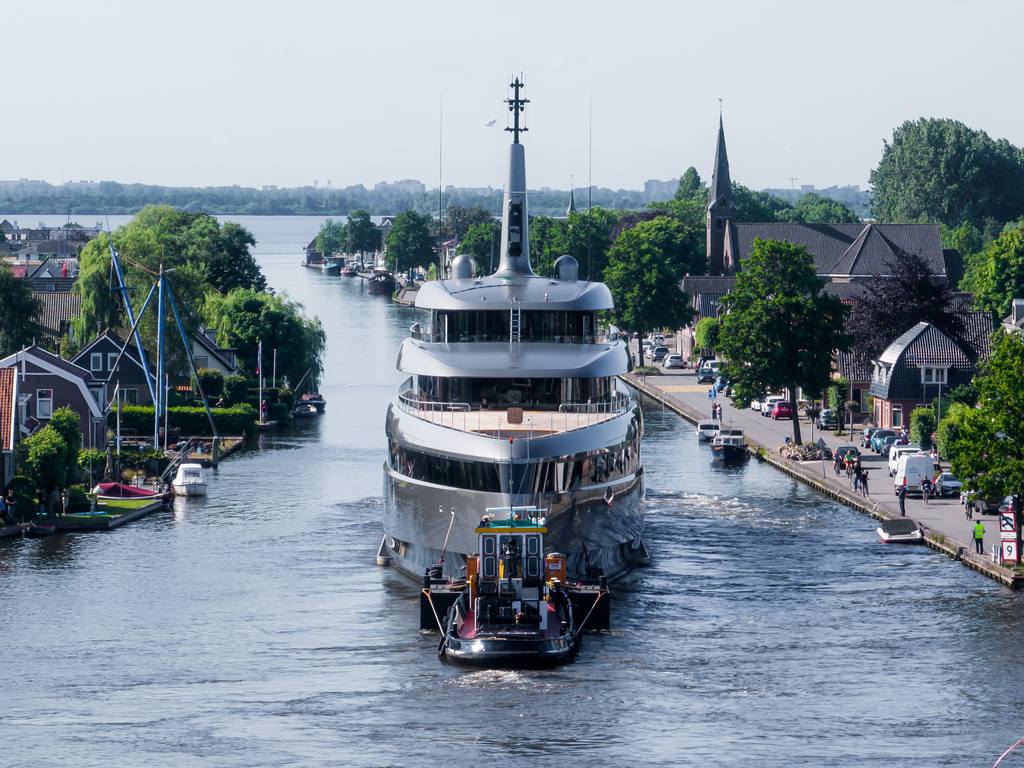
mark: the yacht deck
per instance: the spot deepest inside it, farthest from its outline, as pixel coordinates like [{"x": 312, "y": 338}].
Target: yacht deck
[{"x": 496, "y": 423}]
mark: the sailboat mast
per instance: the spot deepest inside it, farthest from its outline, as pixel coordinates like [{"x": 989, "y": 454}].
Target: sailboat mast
[{"x": 160, "y": 397}]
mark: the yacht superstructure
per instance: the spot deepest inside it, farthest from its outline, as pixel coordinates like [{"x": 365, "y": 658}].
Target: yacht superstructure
[{"x": 512, "y": 399}]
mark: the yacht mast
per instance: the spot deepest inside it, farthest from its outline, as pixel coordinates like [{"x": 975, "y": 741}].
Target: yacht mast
[{"x": 515, "y": 221}]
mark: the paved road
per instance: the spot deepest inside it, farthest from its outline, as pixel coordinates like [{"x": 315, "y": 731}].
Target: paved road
[{"x": 943, "y": 515}]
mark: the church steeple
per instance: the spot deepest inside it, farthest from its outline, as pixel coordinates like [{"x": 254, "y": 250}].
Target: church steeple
[
  {"x": 721, "y": 208},
  {"x": 572, "y": 199}
]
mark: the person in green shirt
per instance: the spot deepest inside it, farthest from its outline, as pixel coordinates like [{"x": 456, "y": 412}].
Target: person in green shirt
[{"x": 979, "y": 538}]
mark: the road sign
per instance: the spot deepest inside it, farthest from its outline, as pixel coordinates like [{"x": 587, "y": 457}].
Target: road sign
[
  {"x": 712, "y": 394},
  {"x": 1008, "y": 550},
  {"x": 1006, "y": 522}
]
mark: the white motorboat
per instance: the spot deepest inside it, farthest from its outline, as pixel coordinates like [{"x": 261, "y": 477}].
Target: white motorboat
[
  {"x": 706, "y": 430},
  {"x": 190, "y": 480},
  {"x": 900, "y": 531}
]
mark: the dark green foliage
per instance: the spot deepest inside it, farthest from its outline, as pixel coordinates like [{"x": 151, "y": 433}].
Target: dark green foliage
[
  {"x": 922, "y": 426},
  {"x": 25, "y": 496},
  {"x": 45, "y": 458},
  {"x": 332, "y": 238},
  {"x": 458, "y": 220},
  {"x": 212, "y": 382},
  {"x": 691, "y": 187},
  {"x": 940, "y": 170},
  {"x": 278, "y": 411},
  {"x": 18, "y": 308},
  {"x": 68, "y": 425},
  {"x": 757, "y": 206},
  {"x": 964, "y": 393},
  {"x": 588, "y": 237},
  {"x": 998, "y": 276},
  {"x": 228, "y": 263},
  {"x": 410, "y": 243},
  {"x": 363, "y": 236},
  {"x": 236, "y": 389},
  {"x": 547, "y": 243},
  {"x": 236, "y": 420},
  {"x": 707, "y": 333},
  {"x": 985, "y": 444},
  {"x": 482, "y": 242},
  {"x": 779, "y": 330},
  {"x": 815, "y": 209}
]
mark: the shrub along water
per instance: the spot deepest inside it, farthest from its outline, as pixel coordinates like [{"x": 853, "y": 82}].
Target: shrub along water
[{"x": 191, "y": 420}]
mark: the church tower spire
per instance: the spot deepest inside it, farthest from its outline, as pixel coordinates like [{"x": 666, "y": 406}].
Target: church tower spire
[
  {"x": 721, "y": 207},
  {"x": 572, "y": 199}
]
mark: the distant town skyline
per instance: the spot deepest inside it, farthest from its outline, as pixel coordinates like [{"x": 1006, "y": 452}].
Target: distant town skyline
[{"x": 255, "y": 94}]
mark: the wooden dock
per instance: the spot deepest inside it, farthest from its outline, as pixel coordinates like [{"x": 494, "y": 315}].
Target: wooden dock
[{"x": 109, "y": 514}]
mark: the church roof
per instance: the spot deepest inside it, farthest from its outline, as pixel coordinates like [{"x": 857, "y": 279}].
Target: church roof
[{"x": 721, "y": 184}]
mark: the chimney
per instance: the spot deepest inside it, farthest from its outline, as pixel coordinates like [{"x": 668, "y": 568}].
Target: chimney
[{"x": 1017, "y": 313}]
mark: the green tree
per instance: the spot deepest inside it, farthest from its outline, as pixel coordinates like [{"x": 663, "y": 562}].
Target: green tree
[
  {"x": 941, "y": 170},
  {"x": 588, "y": 238},
  {"x": 1000, "y": 278},
  {"x": 481, "y": 242},
  {"x": 707, "y": 333},
  {"x": 68, "y": 425},
  {"x": 45, "y": 459},
  {"x": 363, "y": 236},
  {"x": 816, "y": 209},
  {"x": 779, "y": 330},
  {"x": 963, "y": 393},
  {"x": 985, "y": 444},
  {"x": 212, "y": 381},
  {"x": 18, "y": 308},
  {"x": 409, "y": 242},
  {"x": 332, "y": 238},
  {"x": 922, "y": 426},
  {"x": 229, "y": 264},
  {"x": 691, "y": 187},
  {"x": 459, "y": 220},
  {"x": 758, "y": 206},
  {"x": 547, "y": 243},
  {"x": 644, "y": 278},
  {"x": 245, "y": 317}
]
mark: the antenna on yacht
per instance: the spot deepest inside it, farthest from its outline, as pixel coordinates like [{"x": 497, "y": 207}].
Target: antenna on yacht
[{"x": 515, "y": 218}]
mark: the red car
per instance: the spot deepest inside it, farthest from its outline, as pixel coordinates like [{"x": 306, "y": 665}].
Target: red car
[{"x": 782, "y": 410}]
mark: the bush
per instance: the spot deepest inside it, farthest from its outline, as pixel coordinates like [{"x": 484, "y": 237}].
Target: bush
[
  {"x": 286, "y": 396},
  {"x": 236, "y": 389},
  {"x": 922, "y": 425},
  {"x": 212, "y": 382},
  {"x": 91, "y": 463},
  {"x": 706, "y": 333},
  {"x": 236, "y": 420},
  {"x": 24, "y": 496},
  {"x": 77, "y": 500},
  {"x": 278, "y": 411},
  {"x": 647, "y": 370}
]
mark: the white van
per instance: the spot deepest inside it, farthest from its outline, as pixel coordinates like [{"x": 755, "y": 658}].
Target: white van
[
  {"x": 912, "y": 470},
  {"x": 898, "y": 450}
]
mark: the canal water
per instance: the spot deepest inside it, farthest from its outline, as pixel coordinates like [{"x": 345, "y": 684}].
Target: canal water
[{"x": 252, "y": 628}]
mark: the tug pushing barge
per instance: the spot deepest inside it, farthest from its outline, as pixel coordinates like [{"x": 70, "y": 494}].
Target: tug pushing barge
[{"x": 514, "y": 607}]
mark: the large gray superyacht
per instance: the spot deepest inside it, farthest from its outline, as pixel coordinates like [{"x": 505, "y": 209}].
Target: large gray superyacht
[{"x": 513, "y": 400}]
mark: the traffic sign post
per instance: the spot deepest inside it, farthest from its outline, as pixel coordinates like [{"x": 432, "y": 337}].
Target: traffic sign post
[
  {"x": 1009, "y": 544},
  {"x": 1008, "y": 552},
  {"x": 712, "y": 394}
]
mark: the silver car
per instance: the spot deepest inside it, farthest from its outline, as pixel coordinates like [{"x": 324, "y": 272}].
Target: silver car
[{"x": 674, "y": 361}]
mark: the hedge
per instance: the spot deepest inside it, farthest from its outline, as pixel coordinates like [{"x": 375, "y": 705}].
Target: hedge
[{"x": 191, "y": 420}]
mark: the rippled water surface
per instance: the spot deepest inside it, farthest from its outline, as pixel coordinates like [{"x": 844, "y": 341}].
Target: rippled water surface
[{"x": 252, "y": 628}]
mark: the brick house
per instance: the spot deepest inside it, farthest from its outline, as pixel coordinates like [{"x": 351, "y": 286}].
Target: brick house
[
  {"x": 921, "y": 364},
  {"x": 47, "y": 382},
  {"x": 8, "y": 424}
]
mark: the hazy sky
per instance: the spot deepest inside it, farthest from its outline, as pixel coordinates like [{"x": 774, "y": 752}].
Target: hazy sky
[{"x": 285, "y": 92}]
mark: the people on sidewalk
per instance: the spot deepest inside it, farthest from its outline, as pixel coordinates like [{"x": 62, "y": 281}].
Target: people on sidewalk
[
  {"x": 901, "y": 495},
  {"x": 979, "y": 538}
]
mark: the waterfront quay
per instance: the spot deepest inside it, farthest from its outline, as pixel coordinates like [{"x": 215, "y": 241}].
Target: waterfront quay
[{"x": 943, "y": 520}]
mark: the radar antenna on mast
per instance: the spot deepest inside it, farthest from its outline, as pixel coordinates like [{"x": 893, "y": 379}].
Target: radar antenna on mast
[{"x": 516, "y": 106}]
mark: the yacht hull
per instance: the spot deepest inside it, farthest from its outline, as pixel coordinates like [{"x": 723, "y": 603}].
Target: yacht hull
[{"x": 599, "y": 527}]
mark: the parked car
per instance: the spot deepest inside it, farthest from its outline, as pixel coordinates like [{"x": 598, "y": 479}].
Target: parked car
[
  {"x": 674, "y": 361},
  {"x": 828, "y": 419},
  {"x": 866, "y": 435},
  {"x": 755, "y": 404},
  {"x": 722, "y": 385},
  {"x": 878, "y": 437},
  {"x": 708, "y": 372},
  {"x": 898, "y": 450},
  {"x": 947, "y": 485},
  {"x": 887, "y": 444},
  {"x": 912, "y": 470},
  {"x": 769, "y": 402},
  {"x": 848, "y": 454},
  {"x": 658, "y": 354},
  {"x": 782, "y": 410}
]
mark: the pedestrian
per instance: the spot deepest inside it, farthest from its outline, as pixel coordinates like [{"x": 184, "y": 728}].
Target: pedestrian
[
  {"x": 979, "y": 538},
  {"x": 3, "y": 511},
  {"x": 901, "y": 495},
  {"x": 864, "y": 482},
  {"x": 838, "y": 463},
  {"x": 969, "y": 507},
  {"x": 926, "y": 489},
  {"x": 11, "y": 504}
]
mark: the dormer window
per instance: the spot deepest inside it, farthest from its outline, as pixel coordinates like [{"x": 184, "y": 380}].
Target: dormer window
[{"x": 933, "y": 375}]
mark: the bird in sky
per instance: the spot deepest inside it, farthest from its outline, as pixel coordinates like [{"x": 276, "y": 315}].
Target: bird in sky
[{"x": 490, "y": 123}]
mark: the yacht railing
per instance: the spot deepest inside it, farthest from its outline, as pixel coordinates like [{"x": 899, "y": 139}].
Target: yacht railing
[
  {"x": 421, "y": 332},
  {"x": 409, "y": 403},
  {"x": 619, "y": 403}
]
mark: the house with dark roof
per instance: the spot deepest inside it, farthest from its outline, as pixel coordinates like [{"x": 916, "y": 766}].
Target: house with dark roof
[
  {"x": 57, "y": 312},
  {"x": 1014, "y": 322},
  {"x": 8, "y": 424},
  {"x": 919, "y": 366},
  {"x": 207, "y": 354},
  {"x": 47, "y": 382},
  {"x": 122, "y": 373}
]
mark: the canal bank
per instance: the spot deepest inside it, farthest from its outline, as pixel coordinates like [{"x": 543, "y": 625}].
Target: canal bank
[{"x": 942, "y": 520}]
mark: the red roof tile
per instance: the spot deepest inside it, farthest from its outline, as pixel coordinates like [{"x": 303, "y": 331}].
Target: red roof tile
[{"x": 6, "y": 408}]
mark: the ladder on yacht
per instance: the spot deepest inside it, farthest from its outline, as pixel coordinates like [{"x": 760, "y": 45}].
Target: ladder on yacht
[{"x": 515, "y": 333}]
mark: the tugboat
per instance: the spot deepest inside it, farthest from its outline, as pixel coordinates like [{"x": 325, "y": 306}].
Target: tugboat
[
  {"x": 514, "y": 606},
  {"x": 729, "y": 445}
]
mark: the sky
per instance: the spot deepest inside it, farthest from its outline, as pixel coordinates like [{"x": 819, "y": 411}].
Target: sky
[{"x": 253, "y": 93}]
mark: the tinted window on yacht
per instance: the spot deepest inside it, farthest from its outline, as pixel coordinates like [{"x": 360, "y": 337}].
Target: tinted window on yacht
[
  {"x": 502, "y": 393},
  {"x": 494, "y": 325}
]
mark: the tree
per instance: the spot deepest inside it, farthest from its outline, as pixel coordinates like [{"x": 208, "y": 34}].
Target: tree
[
  {"x": 816, "y": 209},
  {"x": 45, "y": 459},
  {"x": 894, "y": 303},
  {"x": 922, "y": 426},
  {"x": 458, "y": 220},
  {"x": 691, "y": 187},
  {"x": 1000, "y": 276},
  {"x": 588, "y": 237},
  {"x": 757, "y": 206},
  {"x": 363, "y": 236},
  {"x": 332, "y": 238},
  {"x": 707, "y": 333},
  {"x": 245, "y": 317},
  {"x": 547, "y": 243},
  {"x": 985, "y": 444},
  {"x": 18, "y": 309},
  {"x": 409, "y": 241},
  {"x": 779, "y": 330},
  {"x": 68, "y": 425},
  {"x": 941, "y": 170},
  {"x": 212, "y": 381},
  {"x": 962, "y": 393},
  {"x": 229, "y": 263},
  {"x": 481, "y": 242},
  {"x": 644, "y": 278}
]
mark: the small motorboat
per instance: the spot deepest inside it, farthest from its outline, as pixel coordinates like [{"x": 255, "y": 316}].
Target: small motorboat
[
  {"x": 902, "y": 530},
  {"x": 706, "y": 430},
  {"x": 514, "y": 606},
  {"x": 349, "y": 270},
  {"x": 315, "y": 399},
  {"x": 304, "y": 411},
  {"x": 729, "y": 446},
  {"x": 332, "y": 265},
  {"x": 40, "y": 528},
  {"x": 190, "y": 480}
]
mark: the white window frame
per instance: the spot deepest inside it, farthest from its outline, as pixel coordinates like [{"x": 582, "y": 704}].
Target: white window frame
[
  {"x": 39, "y": 404},
  {"x": 111, "y": 360},
  {"x": 893, "y": 411},
  {"x": 933, "y": 375},
  {"x": 201, "y": 361},
  {"x": 95, "y": 361},
  {"x": 130, "y": 396}
]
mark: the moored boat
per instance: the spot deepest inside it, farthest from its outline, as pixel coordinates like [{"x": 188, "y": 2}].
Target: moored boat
[
  {"x": 900, "y": 531},
  {"x": 105, "y": 491},
  {"x": 332, "y": 265},
  {"x": 190, "y": 480},
  {"x": 706, "y": 430},
  {"x": 304, "y": 411},
  {"x": 349, "y": 270},
  {"x": 380, "y": 283},
  {"x": 514, "y": 607},
  {"x": 729, "y": 446},
  {"x": 316, "y": 400}
]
